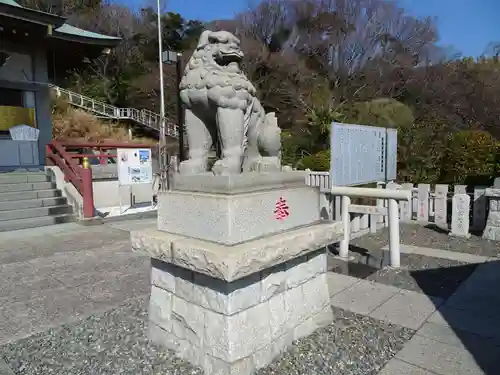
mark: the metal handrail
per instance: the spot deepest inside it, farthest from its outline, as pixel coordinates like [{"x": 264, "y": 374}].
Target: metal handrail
[{"x": 143, "y": 117}]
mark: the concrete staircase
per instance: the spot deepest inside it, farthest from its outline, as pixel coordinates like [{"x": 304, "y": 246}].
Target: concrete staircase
[{"x": 29, "y": 200}]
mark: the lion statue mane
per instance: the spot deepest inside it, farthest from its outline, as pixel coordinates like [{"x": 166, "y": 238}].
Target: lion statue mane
[{"x": 222, "y": 110}]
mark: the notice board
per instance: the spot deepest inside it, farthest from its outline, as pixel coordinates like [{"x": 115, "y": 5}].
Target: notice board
[
  {"x": 362, "y": 154},
  {"x": 134, "y": 166}
]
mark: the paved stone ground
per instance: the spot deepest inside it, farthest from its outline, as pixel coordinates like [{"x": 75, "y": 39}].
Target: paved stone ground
[
  {"x": 446, "y": 290},
  {"x": 73, "y": 301}
]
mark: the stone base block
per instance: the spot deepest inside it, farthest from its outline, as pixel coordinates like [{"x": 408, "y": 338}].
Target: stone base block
[
  {"x": 233, "y": 309},
  {"x": 231, "y": 263},
  {"x": 491, "y": 233},
  {"x": 235, "y": 209},
  {"x": 238, "y": 326}
]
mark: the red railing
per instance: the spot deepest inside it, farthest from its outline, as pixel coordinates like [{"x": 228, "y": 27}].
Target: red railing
[
  {"x": 80, "y": 177},
  {"x": 97, "y": 153},
  {"x": 70, "y": 156}
]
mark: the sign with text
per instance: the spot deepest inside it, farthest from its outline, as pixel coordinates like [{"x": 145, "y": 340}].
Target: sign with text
[
  {"x": 134, "y": 166},
  {"x": 362, "y": 154},
  {"x": 24, "y": 133}
]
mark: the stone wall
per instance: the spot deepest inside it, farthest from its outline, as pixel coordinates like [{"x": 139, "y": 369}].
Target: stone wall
[{"x": 204, "y": 319}]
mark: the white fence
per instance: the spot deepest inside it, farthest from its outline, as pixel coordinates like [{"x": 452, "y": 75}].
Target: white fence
[{"x": 444, "y": 205}]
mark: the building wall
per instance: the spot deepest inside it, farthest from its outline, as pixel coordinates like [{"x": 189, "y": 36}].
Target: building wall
[
  {"x": 26, "y": 70},
  {"x": 18, "y": 67},
  {"x": 109, "y": 193}
]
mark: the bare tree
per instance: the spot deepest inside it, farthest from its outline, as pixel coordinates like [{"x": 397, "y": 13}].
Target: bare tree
[{"x": 346, "y": 34}]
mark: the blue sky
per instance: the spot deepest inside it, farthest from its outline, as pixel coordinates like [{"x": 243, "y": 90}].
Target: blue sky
[{"x": 468, "y": 25}]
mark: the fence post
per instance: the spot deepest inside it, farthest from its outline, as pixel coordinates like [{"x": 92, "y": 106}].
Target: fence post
[
  {"x": 373, "y": 223},
  {"x": 441, "y": 205},
  {"x": 406, "y": 208},
  {"x": 363, "y": 223},
  {"x": 423, "y": 202},
  {"x": 88, "y": 192},
  {"x": 460, "y": 215},
  {"x": 344, "y": 243},
  {"x": 391, "y": 185},
  {"x": 355, "y": 223},
  {"x": 393, "y": 214},
  {"x": 337, "y": 207}
]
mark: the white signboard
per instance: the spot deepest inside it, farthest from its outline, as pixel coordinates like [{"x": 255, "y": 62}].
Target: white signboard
[
  {"x": 362, "y": 154},
  {"x": 24, "y": 133},
  {"x": 134, "y": 166}
]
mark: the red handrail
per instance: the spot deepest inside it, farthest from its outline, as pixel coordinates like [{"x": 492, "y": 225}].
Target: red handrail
[
  {"x": 103, "y": 156},
  {"x": 57, "y": 155},
  {"x": 80, "y": 177},
  {"x": 103, "y": 145}
]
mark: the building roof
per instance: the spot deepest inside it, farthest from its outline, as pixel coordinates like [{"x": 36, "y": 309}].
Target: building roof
[{"x": 62, "y": 30}]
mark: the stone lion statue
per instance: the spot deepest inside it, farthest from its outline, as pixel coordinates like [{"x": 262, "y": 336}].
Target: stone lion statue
[{"x": 222, "y": 109}]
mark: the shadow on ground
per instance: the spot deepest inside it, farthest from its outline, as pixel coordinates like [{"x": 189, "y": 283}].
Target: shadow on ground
[{"x": 471, "y": 309}]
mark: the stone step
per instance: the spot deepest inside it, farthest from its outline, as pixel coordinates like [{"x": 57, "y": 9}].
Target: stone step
[
  {"x": 32, "y": 203},
  {"x": 30, "y": 194},
  {"x": 35, "y": 222},
  {"x": 19, "y": 177},
  {"x": 34, "y": 212},
  {"x": 6, "y": 188}
]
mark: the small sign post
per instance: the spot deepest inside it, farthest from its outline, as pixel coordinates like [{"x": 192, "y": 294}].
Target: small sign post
[{"x": 134, "y": 167}]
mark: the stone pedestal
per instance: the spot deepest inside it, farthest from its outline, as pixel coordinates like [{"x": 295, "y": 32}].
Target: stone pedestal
[
  {"x": 237, "y": 208},
  {"x": 492, "y": 229},
  {"x": 232, "y": 305}
]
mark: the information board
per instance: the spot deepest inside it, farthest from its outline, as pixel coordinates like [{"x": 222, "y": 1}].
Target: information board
[
  {"x": 134, "y": 166},
  {"x": 362, "y": 154}
]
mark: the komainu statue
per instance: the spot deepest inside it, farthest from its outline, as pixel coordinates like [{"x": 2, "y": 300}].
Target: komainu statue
[{"x": 222, "y": 109}]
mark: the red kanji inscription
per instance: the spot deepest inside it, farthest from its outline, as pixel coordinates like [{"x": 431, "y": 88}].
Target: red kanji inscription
[{"x": 281, "y": 210}]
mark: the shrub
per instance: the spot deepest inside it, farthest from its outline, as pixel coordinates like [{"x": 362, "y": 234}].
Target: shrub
[
  {"x": 78, "y": 124},
  {"x": 470, "y": 154},
  {"x": 75, "y": 124},
  {"x": 319, "y": 162},
  {"x": 290, "y": 153},
  {"x": 421, "y": 149},
  {"x": 387, "y": 113}
]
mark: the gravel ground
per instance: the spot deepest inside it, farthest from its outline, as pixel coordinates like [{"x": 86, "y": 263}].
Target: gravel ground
[
  {"x": 115, "y": 343},
  {"x": 109, "y": 344},
  {"x": 418, "y": 235},
  {"x": 352, "y": 345}
]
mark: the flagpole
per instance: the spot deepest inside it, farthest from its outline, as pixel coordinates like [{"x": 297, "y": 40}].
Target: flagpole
[{"x": 163, "y": 157}]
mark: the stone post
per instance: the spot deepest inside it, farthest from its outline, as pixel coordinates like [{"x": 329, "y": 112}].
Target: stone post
[
  {"x": 460, "y": 215},
  {"x": 492, "y": 229}
]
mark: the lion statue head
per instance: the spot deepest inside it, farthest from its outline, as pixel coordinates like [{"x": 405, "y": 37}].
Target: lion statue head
[{"x": 215, "y": 68}]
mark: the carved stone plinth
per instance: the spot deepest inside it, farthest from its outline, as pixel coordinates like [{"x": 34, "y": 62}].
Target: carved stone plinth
[
  {"x": 238, "y": 208},
  {"x": 232, "y": 295},
  {"x": 232, "y": 310}
]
